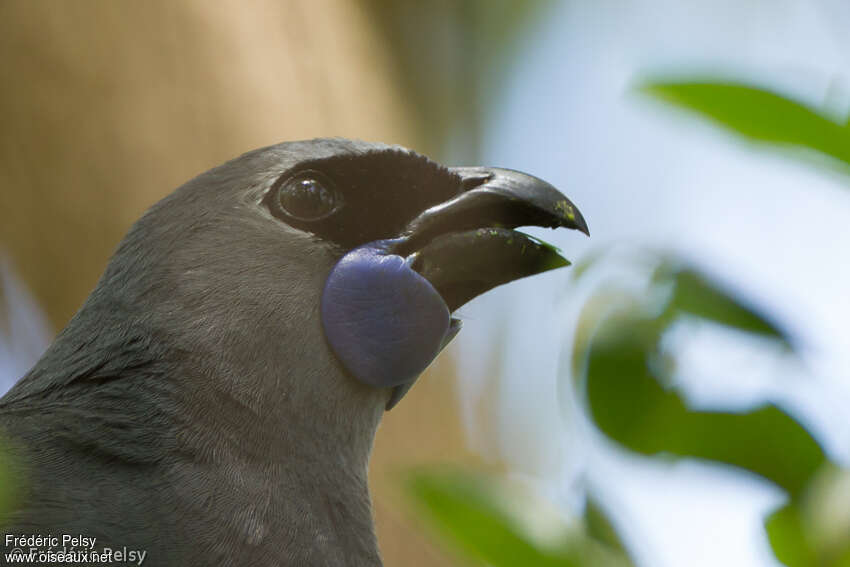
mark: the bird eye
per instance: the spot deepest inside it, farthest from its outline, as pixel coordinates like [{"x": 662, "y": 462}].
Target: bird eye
[{"x": 307, "y": 196}]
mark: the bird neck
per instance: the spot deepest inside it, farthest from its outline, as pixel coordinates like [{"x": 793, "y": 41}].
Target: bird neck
[
  {"x": 291, "y": 434},
  {"x": 291, "y": 475},
  {"x": 298, "y": 472}
]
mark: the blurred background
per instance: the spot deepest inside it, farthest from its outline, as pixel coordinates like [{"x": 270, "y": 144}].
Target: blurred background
[{"x": 677, "y": 397}]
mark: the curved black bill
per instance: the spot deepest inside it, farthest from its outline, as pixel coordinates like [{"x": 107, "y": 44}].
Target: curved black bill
[
  {"x": 498, "y": 198},
  {"x": 466, "y": 246}
]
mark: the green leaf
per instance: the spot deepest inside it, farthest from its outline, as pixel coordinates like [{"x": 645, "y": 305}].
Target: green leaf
[
  {"x": 813, "y": 530},
  {"x": 465, "y": 510},
  {"x": 787, "y": 537},
  {"x": 473, "y": 514},
  {"x": 789, "y": 534},
  {"x": 627, "y": 402},
  {"x": 757, "y": 114},
  {"x": 695, "y": 294},
  {"x": 599, "y": 527}
]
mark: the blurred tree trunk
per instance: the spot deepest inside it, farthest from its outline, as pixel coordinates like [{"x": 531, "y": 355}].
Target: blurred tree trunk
[
  {"x": 451, "y": 58},
  {"x": 108, "y": 106}
]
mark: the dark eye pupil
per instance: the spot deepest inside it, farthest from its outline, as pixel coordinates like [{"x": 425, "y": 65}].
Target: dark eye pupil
[{"x": 306, "y": 198}]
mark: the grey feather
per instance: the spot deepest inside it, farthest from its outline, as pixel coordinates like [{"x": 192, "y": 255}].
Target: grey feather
[
  {"x": 172, "y": 414},
  {"x": 193, "y": 408}
]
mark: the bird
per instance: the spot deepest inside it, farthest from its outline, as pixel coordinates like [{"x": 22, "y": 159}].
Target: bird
[{"x": 215, "y": 399}]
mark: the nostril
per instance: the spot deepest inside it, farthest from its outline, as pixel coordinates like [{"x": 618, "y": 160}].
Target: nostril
[{"x": 474, "y": 181}]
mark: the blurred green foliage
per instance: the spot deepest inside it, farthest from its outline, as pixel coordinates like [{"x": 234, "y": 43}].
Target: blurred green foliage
[
  {"x": 599, "y": 526},
  {"x": 814, "y": 527},
  {"x": 694, "y": 294},
  {"x": 759, "y": 115},
  {"x": 764, "y": 116},
  {"x": 464, "y": 508},
  {"x": 628, "y": 402},
  {"x": 472, "y": 513},
  {"x": 625, "y": 375},
  {"x": 786, "y": 532}
]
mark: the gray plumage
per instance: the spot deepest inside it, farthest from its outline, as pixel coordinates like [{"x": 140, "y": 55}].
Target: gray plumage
[{"x": 192, "y": 408}]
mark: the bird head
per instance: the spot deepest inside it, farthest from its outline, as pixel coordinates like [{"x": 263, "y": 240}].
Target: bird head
[{"x": 315, "y": 280}]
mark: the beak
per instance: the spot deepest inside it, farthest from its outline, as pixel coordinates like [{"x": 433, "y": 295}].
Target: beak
[
  {"x": 467, "y": 246},
  {"x": 386, "y": 306}
]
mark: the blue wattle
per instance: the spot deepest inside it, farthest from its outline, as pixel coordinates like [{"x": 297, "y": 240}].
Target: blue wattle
[{"x": 383, "y": 320}]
